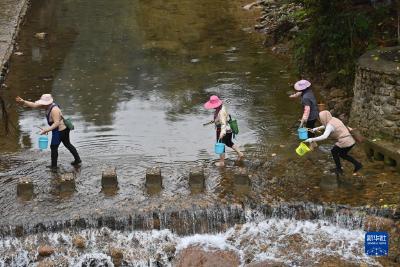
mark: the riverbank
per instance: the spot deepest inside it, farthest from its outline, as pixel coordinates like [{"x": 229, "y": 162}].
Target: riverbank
[
  {"x": 307, "y": 35},
  {"x": 12, "y": 13}
]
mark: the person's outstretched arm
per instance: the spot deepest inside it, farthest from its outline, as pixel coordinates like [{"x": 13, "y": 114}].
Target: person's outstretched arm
[
  {"x": 26, "y": 103},
  {"x": 328, "y": 130}
]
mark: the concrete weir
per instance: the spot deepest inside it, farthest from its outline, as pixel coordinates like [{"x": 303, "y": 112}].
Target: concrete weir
[
  {"x": 25, "y": 188},
  {"x": 12, "y": 13},
  {"x": 66, "y": 183},
  {"x": 153, "y": 177},
  {"x": 384, "y": 151},
  {"x": 197, "y": 178},
  {"x": 109, "y": 178}
]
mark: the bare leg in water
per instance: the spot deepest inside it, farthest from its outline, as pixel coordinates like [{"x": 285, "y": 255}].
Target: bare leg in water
[{"x": 221, "y": 162}]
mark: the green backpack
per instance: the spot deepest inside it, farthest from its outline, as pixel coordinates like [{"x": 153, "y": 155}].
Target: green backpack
[{"x": 234, "y": 125}]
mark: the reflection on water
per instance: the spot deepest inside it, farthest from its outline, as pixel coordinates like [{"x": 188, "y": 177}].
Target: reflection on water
[{"x": 133, "y": 75}]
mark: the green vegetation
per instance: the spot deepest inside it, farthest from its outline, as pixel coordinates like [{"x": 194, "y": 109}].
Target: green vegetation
[{"x": 334, "y": 33}]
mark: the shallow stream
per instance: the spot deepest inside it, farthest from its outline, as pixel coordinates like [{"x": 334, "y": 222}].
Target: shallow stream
[{"x": 133, "y": 76}]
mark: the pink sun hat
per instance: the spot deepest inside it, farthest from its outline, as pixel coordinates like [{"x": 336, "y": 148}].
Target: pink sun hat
[
  {"x": 214, "y": 102},
  {"x": 45, "y": 100},
  {"x": 302, "y": 85}
]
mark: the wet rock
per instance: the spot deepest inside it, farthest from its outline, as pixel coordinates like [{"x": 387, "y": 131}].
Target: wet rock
[
  {"x": 169, "y": 250},
  {"x": 79, "y": 242},
  {"x": 67, "y": 182},
  {"x": 19, "y": 231},
  {"x": 251, "y": 5},
  {"x": 153, "y": 176},
  {"x": 377, "y": 224},
  {"x": 117, "y": 256},
  {"x": 197, "y": 257},
  {"x": 41, "y": 35},
  {"x": 25, "y": 188},
  {"x": 109, "y": 178},
  {"x": 45, "y": 251}
]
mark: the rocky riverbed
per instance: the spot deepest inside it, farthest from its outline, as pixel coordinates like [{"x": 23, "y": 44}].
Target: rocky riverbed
[{"x": 259, "y": 241}]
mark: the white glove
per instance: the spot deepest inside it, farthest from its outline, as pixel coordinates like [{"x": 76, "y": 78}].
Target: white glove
[{"x": 309, "y": 140}]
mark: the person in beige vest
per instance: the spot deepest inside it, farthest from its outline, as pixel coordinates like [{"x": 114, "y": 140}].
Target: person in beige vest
[{"x": 336, "y": 129}]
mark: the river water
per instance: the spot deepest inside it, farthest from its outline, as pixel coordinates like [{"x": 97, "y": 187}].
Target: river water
[{"x": 133, "y": 76}]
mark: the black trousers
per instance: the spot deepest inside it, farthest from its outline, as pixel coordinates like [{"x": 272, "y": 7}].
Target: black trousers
[
  {"x": 227, "y": 139},
  {"x": 64, "y": 137},
  {"x": 339, "y": 152},
  {"x": 311, "y": 125}
]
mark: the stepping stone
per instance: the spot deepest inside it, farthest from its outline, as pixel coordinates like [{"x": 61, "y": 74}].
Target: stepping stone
[
  {"x": 153, "y": 176},
  {"x": 241, "y": 177},
  {"x": 25, "y": 188},
  {"x": 109, "y": 178},
  {"x": 196, "y": 177},
  {"x": 67, "y": 182}
]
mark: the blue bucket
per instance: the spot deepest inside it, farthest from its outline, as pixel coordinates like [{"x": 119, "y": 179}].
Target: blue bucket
[
  {"x": 43, "y": 142},
  {"x": 219, "y": 148},
  {"x": 303, "y": 133}
]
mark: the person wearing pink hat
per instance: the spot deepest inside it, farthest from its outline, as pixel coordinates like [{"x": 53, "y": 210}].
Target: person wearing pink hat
[
  {"x": 309, "y": 102},
  {"x": 224, "y": 132},
  {"x": 60, "y": 132}
]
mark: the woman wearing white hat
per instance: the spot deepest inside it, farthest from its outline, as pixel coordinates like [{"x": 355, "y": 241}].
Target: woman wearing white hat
[
  {"x": 309, "y": 102},
  {"x": 224, "y": 132},
  {"x": 60, "y": 132}
]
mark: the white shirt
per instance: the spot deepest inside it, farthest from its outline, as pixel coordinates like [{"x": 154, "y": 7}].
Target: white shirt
[{"x": 328, "y": 130}]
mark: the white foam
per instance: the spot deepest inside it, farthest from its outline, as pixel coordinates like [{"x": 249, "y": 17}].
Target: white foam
[{"x": 265, "y": 239}]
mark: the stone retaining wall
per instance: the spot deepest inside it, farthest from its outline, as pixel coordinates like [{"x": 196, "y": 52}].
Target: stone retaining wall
[
  {"x": 376, "y": 104},
  {"x": 12, "y": 13}
]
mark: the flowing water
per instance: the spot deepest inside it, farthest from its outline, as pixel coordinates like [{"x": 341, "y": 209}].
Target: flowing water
[{"x": 133, "y": 76}]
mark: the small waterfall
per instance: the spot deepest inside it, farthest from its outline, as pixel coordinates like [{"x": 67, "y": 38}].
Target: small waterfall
[
  {"x": 213, "y": 219},
  {"x": 258, "y": 239}
]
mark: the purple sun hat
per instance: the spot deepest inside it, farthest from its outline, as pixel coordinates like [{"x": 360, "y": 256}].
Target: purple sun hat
[{"x": 302, "y": 85}]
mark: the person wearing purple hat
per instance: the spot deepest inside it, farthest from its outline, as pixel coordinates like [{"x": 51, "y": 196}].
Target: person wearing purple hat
[
  {"x": 60, "y": 132},
  {"x": 224, "y": 132},
  {"x": 309, "y": 102}
]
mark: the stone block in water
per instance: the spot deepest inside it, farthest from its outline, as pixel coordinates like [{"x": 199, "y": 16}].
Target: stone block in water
[
  {"x": 25, "y": 188},
  {"x": 153, "y": 176},
  {"x": 196, "y": 177},
  {"x": 241, "y": 177},
  {"x": 67, "y": 182},
  {"x": 109, "y": 178}
]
